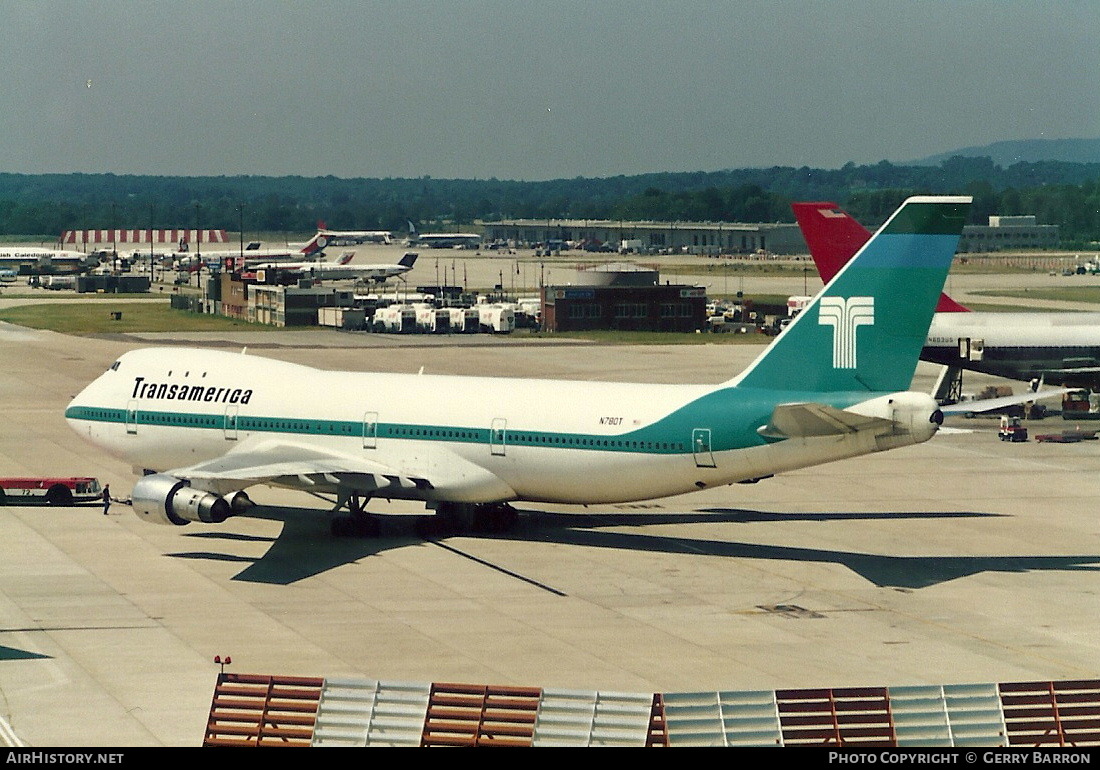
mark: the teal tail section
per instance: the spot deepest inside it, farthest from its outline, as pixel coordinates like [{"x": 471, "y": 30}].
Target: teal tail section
[{"x": 865, "y": 330}]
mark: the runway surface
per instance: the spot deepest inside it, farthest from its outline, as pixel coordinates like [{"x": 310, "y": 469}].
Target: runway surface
[{"x": 962, "y": 560}]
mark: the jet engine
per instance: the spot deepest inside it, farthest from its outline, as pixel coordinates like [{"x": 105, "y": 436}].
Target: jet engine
[{"x": 164, "y": 499}]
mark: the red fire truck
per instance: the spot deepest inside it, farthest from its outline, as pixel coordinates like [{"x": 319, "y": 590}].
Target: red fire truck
[{"x": 52, "y": 491}]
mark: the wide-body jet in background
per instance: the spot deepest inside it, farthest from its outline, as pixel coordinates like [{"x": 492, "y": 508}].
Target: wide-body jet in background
[
  {"x": 207, "y": 424},
  {"x": 1059, "y": 348}
]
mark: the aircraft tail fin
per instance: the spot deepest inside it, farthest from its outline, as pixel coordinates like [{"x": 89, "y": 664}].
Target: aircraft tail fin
[
  {"x": 865, "y": 330},
  {"x": 834, "y": 236},
  {"x": 409, "y": 259},
  {"x": 316, "y": 244}
]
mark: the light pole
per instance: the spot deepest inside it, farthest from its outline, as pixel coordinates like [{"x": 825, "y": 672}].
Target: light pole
[
  {"x": 151, "y": 207},
  {"x": 114, "y": 239},
  {"x": 198, "y": 247},
  {"x": 240, "y": 211}
]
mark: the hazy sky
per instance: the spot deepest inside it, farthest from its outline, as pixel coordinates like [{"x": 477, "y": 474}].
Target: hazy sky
[{"x": 532, "y": 89}]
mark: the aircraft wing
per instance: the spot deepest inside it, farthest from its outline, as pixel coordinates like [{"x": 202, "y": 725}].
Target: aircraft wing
[
  {"x": 989, "y": 404},
  {"x": 808, "y": 420},
  {"x": 297, "y": 466},
  {"x": 1075, "y": 371}
]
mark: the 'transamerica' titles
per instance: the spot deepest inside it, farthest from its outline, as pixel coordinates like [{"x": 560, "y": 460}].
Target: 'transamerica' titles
[{"x": 173, "y": 391}]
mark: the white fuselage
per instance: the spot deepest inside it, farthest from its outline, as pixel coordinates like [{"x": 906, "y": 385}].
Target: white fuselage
[
  {"x": 333, "y": 272},
  {"x": 1050, "y": 330},
  {"x": 37, "y": 258},
  {"x": 1023, "y": 346},
  {"x": 474, "y": 439}
]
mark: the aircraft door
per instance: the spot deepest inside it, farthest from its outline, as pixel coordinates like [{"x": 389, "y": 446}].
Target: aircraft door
[
  {"x": 230, "y": 424},
  {"x": 131, "y": 416},
  {"x": 498, "y": 435},
  {"x": 971, "y": 349},
  {"x": 700, "y": 448},
  {"x": 370, "y": 430}
]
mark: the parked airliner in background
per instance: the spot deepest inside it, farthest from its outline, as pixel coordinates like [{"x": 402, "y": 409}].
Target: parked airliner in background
[
  {"x": 344, "y": 259},
  {"x": 343, "y": 270},
  {"x": 207, "y": 424},
  {"x": 39, "y": 259},
  {"x": 1060, "y": 348},
  {"x": 252, "y": 253},
  {"x": 348, "y": 237},
  {"x": 255, "y": 256},
  {"x": 442, "y": 240}
]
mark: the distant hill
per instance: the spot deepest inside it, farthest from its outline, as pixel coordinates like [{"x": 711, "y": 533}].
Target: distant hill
[{"x": 1004, "y": 154}]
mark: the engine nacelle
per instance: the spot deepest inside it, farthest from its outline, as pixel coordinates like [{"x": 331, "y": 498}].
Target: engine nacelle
[{"x": 164, "y": 499}]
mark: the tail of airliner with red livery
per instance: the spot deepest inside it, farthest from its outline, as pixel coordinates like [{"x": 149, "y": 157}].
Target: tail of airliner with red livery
[
  {"x": 834, "y": 237},
  {"x": 316, "y": 244}
]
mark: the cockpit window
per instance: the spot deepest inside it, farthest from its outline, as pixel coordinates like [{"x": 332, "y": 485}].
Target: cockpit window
[{"x": 114, "y": 366}]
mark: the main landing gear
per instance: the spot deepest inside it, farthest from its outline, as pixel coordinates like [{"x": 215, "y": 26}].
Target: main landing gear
[
  {"x": 448, "y": 519},
  {"x": 357, "y": 523},
  {"x": 474, "y": 518}
]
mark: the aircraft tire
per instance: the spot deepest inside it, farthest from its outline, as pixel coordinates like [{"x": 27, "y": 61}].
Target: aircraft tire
[
  {"x": 468, "y": 518},
  {"x": 495, "y": 518}
]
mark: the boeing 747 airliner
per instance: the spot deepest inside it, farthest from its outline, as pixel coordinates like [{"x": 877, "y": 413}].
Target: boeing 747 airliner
[{"x": 206, "y": 425}]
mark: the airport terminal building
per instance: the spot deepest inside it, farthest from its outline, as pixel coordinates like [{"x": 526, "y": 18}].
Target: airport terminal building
[
  {"x": 1008, "y": 234},
  {"x": 653, "y": 237}
]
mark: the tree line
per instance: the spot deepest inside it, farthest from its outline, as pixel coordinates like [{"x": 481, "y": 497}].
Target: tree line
[{"x": 42, "y": 206}]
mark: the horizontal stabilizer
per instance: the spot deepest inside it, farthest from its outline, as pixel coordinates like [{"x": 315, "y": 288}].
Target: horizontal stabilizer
[{"x": 810, "y": 420}]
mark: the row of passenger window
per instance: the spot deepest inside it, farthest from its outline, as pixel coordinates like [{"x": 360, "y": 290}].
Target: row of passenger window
[
  {"x": 600, "y": 443},
  {"x": 393, "y": 431}
]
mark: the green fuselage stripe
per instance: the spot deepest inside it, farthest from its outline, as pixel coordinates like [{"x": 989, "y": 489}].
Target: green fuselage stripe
[{"x": 644, "y": 441}]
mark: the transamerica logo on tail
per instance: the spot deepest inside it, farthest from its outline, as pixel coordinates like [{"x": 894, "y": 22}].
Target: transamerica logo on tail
[{"x": 845, "y": 316}]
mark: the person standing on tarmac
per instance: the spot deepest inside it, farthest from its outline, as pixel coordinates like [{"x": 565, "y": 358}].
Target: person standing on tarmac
[{"x": 106, "y": 498}]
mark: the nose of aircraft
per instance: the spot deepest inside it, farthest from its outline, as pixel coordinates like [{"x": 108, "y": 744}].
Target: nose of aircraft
[
  {"x": 79, "y": 410},
  {"x": 76, "y": 407}
]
